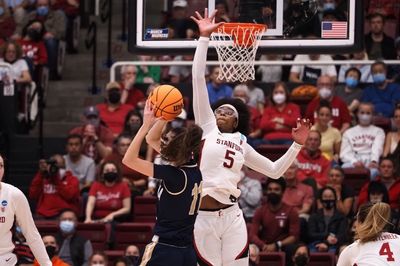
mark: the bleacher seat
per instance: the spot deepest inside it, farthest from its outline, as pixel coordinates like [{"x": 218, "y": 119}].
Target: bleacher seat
[
  {"x": 139, "y": 234},
  {"x": 272, "y": 152},
  {"x": 322, "y": 259},
  {"x": 272, "y": 259},
  {"x": 98, "y": 234},
  {"x": 355, "y": 178},
  {"x": 47, "y": 227},
  {"x": 113, "y": 255},
  {"x": 144, "y": 209}
]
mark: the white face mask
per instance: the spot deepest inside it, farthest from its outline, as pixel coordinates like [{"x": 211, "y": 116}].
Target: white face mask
[
  {"x": 279, "y": 98},
  {"x": 364, "y": 119},
  {"x": 325, "y": 92}
]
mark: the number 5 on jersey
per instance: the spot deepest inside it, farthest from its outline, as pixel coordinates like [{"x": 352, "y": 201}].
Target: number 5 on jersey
[
  {"x": 196, "y": 193},
  {"x": 229, "y": 159}
]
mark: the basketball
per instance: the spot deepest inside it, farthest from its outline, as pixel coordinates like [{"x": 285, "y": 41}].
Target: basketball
[{"x": 167, "y": 102}]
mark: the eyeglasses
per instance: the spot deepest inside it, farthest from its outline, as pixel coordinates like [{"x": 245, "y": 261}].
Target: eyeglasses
[{"x": 224, "y": 111}]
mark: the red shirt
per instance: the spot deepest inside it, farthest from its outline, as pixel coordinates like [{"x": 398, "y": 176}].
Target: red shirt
[
  {"x": 255, "y": 118},
  {"x": 298, "y": 194},
  {"x": 268, "y": 227},
  {"x": 289, "y": 115},
  {"x": 340, "y": 112},
  {"x": 316, "y": 167},
  {"x": 394, "y": 194},
  {"x": 134, "y": 95},
  {"x": 108, "y": 199},
  {"x": 7, "y": 27},
  {"x": 114, "y": 119},
  {"x": 34, "y": 50},
  {"x": 55, "y": 196}
]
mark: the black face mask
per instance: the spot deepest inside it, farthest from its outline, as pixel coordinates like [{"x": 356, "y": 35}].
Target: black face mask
[
  {"x": 114, "y": 96},
  {"x": 51, "y": 251},
  {"x": 34, "y": 35},
  {"x": 301, "y": 260},
  {"x": 134, "y": 127},
  {"x": 110, "y": 177},
  {"x": 328, "y": 204},
  {"x": 273, "y": 198},
  {"x": 133, "y": 260}
]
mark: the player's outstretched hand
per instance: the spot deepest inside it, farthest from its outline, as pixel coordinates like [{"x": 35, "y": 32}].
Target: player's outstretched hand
[
  {"x": 207, "y": 23},
  {"x": 148, "y": 115},
  {"x": 300, "y": 133}
]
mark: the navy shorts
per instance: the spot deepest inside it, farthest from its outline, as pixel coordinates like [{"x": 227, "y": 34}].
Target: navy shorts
[{"x": 159, "y": 254}]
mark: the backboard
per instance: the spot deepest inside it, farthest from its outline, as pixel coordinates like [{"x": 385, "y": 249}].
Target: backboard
[{"x": 294, "y": 26}]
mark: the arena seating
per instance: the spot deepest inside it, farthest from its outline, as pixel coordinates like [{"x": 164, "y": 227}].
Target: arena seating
[
  {"x": 139, "y": 234},
  {"x": 97, "y": 233},
  {"x": 356, "y": 178},
  {"x": 272, "y": 259},
  {"x": 272, "y": 152},
  {"x": 322, "y": 259},
  {"x": 144, "y": 209},
  {"x": 113, "y": 255}
]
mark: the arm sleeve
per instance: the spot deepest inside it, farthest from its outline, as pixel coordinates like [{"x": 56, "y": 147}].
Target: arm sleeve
[
  {"x": 346, "y": 153},
  {"x": 33, "y": 238},
  {"x": 263, "y": 165},
  {"x": 203, "y": 113},
  {"x": 174, "y": 178},
  {"x": 377, "y": 146},
  {"x": 87, "y": 252}
]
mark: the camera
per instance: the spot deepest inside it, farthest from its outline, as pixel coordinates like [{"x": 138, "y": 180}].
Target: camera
[{"x": 53, "y": 167}]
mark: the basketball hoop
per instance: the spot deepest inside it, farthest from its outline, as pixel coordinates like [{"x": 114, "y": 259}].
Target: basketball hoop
[{"x": 236, "y": 45}]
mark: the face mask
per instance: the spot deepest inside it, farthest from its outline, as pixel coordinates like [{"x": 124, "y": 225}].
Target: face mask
[
  {"x": 379, "y": 78},
  {"x": 364, "y": 119},
  {"x": 42, "y": 11},
  {"x": 133, "y": 259},
  {"x": 329, "y": 6},
  {"x": 134, "y": 127},
  {"x": 33, "y": 34},
  {"x": 279, "y": 98},
  {"x": 51, "y": 251},
  {"x": 301, "y": 260},
  {"x": 273, "y": 198},
  {"x": 1, "y": 11},
  {"x": 351, "y": 82},
  {"x": 110, "y": 177},
  {"x": 325, "y": 93},
  {"x": 114, "y": 96},
  {"x": 328, "y": 204},
  {"x": 67, "y": 226}
]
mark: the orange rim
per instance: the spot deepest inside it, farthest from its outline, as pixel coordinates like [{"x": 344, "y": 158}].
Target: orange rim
[{"x": 241, "y": 32}]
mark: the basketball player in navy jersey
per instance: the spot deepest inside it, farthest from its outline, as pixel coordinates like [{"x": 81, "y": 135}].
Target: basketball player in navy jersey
[{"x": 180, "y": 192}]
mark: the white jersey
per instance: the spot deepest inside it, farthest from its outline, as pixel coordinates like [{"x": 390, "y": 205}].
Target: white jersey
[
  {"x": 224, "y": 154},
  {"x": 385, "y": 251},
  {"x": 13, "y": 203}
]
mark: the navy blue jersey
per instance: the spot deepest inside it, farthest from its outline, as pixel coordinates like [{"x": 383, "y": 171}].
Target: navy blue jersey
[{"x": 178, "y": 202}]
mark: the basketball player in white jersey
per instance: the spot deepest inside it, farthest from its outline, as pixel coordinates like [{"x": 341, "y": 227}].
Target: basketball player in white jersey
[
  {"x": 13, "y": 203},
  {"x": 220, "y": 229},
  {"x": 375, "y": 246}
]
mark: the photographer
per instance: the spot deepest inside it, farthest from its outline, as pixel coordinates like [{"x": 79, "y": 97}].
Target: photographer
[{"x": 54, "y": 189}]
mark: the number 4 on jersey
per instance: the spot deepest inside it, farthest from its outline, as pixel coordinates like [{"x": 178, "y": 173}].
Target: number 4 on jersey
[{"x": 385, "y": 251}]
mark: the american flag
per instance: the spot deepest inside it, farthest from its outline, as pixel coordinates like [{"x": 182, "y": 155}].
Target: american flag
[{"x": 334, "y": 29}]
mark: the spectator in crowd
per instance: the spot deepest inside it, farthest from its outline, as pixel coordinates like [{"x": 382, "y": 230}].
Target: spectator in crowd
[
  {"x": 272, "y": 73},
  {"x": 179, "y": 74},
  {"x": 109, "y": 198},
  {"x": 54, "y": 22},
  {"x": 136, "y": 181},
  {"x": 344, "y": 193},
  {"x": 223, "y": 11},
  {"x": 7, "y": 22},
  {"x": 280, "y": 117},
  {"x": 54, "y": 188},
  {"x": 133, "y": 121},
  {"x": 32, "y": 43},
  {"x": 327, "y": 228},
  {"x": 147, "y": 74},
  {"x": 130, "y": 94},
  {"x": 256, "y": 96},
  {"x": 382, "y": 94},
  {"x": 275, "y": 225},
  {"x": 297, "y": 195},
  {"x": 12, "y": 53},
  {"x": 80, "y": 165},
  {"x": 254, "y": 255},
  {"x": 301, "y": 255},
  {"x": 17, "y": 8},
  {"x": 132, "y": 253},
  {"x": 362, "y": 145},
  {"x": 22, "y": 249},
  {"x": 122, "y": 261},
  {"x": 378, "y": 45},
  {"x": 385, "y": 7},
  {"x": 389, "y": 179},
  {"x": 179, "y": 22},
  {"x": 113, "y": 112},
  {"x": 250, "y": 196},
  {"x": 350, "y": 92},
  {"x": 92, "y": 147},
  {"x": 74, "y": 248},
  {"x": 217, "y": 89},
  {"x": 392, "y": 147},
  {"x": 341, "y": 118},
  {"x": 52, "y": 250},
  {"x": 98, "y": 258},
  {"x": 364, "y": 70},
  {"x": 313, "y": 166},
  {"x": 330, "y": 136},
  {"x": 311, "y": 74}
]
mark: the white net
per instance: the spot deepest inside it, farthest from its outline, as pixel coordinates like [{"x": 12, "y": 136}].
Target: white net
[{"x": 237, "y": 47}]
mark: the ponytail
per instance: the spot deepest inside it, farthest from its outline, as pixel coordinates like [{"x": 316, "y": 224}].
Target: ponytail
[{"x": 372, "y": 221}]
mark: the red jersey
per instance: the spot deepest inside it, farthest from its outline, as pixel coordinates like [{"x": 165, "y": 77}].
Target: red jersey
[
  {"x": 134, "y": 95},
  {"x": 114, "y": 119},
  {"x": 268, "y": 227},
  {"x": 255, "y": 118},
  {"x": 289, "y": 115},
  {"x": 316, "y": 167},
  {"x": 108, "y": 199},
  {"x": 340, "y": 112},
  {"x": 36, "y": 51},
  {"x": 394, "y": 194}
]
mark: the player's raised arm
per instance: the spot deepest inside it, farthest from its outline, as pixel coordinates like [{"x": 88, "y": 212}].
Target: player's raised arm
[{"x": 201, "y": 104}]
